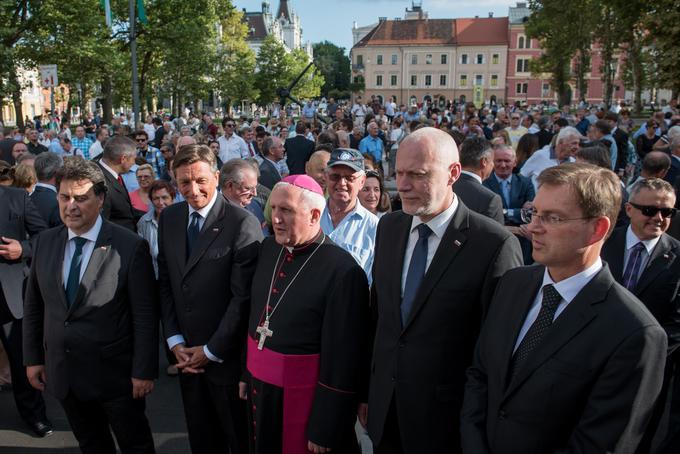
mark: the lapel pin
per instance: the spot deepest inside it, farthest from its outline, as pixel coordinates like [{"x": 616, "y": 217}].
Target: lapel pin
[
  {"x": 457, "y": 243},
  {"x": 216, "y": 229},
  {"x": 665, "y": 256}
]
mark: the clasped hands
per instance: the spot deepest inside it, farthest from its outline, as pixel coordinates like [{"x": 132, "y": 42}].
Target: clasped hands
[{"x": 191, "y": 360}]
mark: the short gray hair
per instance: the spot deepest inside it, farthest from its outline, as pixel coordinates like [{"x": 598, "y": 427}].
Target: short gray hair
[
  {"x": 566, "y": 133},
  {"x": 47, "y": 164},
  {"x": 117, "y": 147},
  {"x": 311, "y": 199},
  {"x": 233, "y": 169},
  {"x": 651, "y": 184}
]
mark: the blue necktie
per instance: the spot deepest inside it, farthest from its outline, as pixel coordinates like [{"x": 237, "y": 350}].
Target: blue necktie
[
  {"x": 506, "y": 192},
  {"x": 192, "y": 232},
  {"x": 73, "y": 281},
  {"x": 416, "y": 271},
  {"x": 630, "y": 275}
]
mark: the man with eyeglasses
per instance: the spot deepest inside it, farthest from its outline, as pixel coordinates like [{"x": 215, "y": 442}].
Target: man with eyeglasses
[
  {"x": 152, "y": 155},
  {"x": 231, "y": 144},
  {"x": 345, "y": 220},
  {"x": 568, "y": 360},
  {"x": 516, "y": 130},
  {"x": 646, "y": 260},
  {"x": 238, "y": 183}
]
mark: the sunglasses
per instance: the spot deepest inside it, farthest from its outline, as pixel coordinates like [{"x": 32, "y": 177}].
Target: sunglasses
[
  {"x": 230, "y": 125},
  {"x": 141, "y": 140},
  {"x": 651, "y": 211}
]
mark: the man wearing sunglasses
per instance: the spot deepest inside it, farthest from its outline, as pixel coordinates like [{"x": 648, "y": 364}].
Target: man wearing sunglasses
[
  {"x": 646, "y": 260},
  {"x": 232, "y": 146}
]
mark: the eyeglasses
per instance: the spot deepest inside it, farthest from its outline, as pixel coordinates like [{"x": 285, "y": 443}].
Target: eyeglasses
[
  {"x": 335, "y": 177},
  {"x": 529, "y": 214},
  {"x": 141, "y": 140},
  {"x": 651, "y": 210},
  {"x": 229, "y": 125}
]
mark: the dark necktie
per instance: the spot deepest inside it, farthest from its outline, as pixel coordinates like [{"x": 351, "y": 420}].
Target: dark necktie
[
  {"x": 416, "y": 272},
  {"x": 73, "y": 280},
  {"x": 532, "y": 339},
  {"x": 632, "y": 271},
  {"x": 192, "y": 232},
  {"x": 121, "y": 182}
]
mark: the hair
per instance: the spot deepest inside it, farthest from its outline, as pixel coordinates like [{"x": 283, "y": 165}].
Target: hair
[
  {"x": 25, "y": 157},
  {"x": 566, "y": 133},
  {"x": 157, "y": 121},
  {"x": 117, "y": 147},
  {"x": 611, "y": 116},
  {"x": 300, "y": 127},
  {"x": 674, "y": 142},
  {"x": 146, "y": 166},
  {"x": 159, "y": 185},
  {"x": 526, "y": 146},
  {"x": 225, "y": 120},
  {"x": 328, "y": 136},
  {"x": 597, "y": 190},
  {"x": 562, "y": 122},
  {"x": 232, "y": 170},
  {"x": 76, "y": 169},
  {"x": 192, "y": 153},
  {"x": 169, "y": 146},
  {"x": 24, "y": 176},
  {"x": 311, "y": 199},
  {"x": 324, "y": 147},
  {"x": 267, "y": 145},
  {"x": 473, "y": 150},
  {"x": 384, "y": 204},
  {"x": 656, "y": 162},
  {"x": 46, "y": 165},
  {"x": 651, "y": 184},
  {"x": 595, "y": 155},
  {"x": 6, "y": 172},
  {"x": 141, "y": 132},
  {"x": 603, "y": 127},
  {"x": 457, "y": 136}
]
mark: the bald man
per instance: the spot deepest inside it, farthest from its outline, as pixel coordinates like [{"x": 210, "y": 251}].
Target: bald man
[
  {"x": 316, "y": 166},
  {"x": 446, "y": 260}
]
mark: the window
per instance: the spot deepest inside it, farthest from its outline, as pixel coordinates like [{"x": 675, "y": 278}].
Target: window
[
  {"x": 414, "y": 59},
  {"x": 394, "y": 59},
  {"x": 520, "y": 42},
  {"x": 393, "y": 80},
  {"x": 494, "y": 80},
  {"x": 360, "y": 59},
  {"x": 414, "y": 81},
  {"x": 428, "y": 59},
  {"x": 378, "y": 60},
  {"x": 479, "y": 79},
  {"x": 378, "y": 80},
  {"x": 495, "y": 59},
  {"x": 480, "y": 59},
  {"x": 522, "y": 88},
  {"x": 463, "y": 80},
  {"x": 464, "y": 59},
  {"x": 444, "y": 59},
  {"x": 545, "y": 90},
  {"x": 428, "y": 80},
  {"x": 442, "y": 80},
  {"x": 522, "y": 65}
]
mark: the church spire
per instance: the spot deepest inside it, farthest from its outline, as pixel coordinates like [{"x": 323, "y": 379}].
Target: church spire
[{"x": 284, "y": 10}]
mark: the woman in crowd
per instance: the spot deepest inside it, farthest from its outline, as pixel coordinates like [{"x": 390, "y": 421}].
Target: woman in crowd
[
  {"x": 500, "y": 135},
  {"x": 215, "y": 148},
  {"x": 527, "y": 145},
  {"x": 162, "y": 195},
  {"x": 645, "y": 142},
  {"x": 25, "y": 177},
  {"x": 140, "y": 197},
  {"x": 373, "y": 196},
  {"x": 6, "y": 174}
]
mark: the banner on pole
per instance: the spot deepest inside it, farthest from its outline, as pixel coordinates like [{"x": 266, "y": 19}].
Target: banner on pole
[{"x": 48, "y": 76}]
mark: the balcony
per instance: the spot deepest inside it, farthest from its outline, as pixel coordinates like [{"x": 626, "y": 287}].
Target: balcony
[{"x": 357, "y": 67}]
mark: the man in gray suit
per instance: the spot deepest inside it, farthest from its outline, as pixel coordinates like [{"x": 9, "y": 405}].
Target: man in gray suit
[{"x": 476, "y": 160}]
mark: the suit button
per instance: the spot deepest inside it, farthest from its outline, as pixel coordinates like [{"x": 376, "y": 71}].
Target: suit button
[
  {"x": 185, "y": 287},
  {"x": 66, "y": 323},
  {"x": 502, "y": 414}
]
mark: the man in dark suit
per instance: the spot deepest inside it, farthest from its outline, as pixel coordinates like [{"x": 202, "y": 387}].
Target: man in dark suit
[
  {"x": 160, "y": 132},
  {"x": 19, "y": 219},
  {"x": 298, "y": 150},
  {"x": 207, "y": 254},
  {"x": 568, "y": 360},
  {"x": 91, "y": 325},
  {"x": 621, "y": 139},
  {"x": 44, "y": 196},
  {"x": 117, "y": 159},
  {"x": 476, "y": 160},
  {"x": 645, "y": 260},
  {"x": 674, "y": 170},
  {"x": 516, "y": 192},
  {"x": 435, "y": 268},
  {"x": 272, "y": 153}
]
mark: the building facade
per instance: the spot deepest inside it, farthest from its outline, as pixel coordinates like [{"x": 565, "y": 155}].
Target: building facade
[{"x": 285, "y": 26}]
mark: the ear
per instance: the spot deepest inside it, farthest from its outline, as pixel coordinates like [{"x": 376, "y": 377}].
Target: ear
[
  {"x": 629, "y": 208},
  {"x": 454, "y": 172},
  {"x": 315, "y": 216},
  {"x": 600, "y": 229}
]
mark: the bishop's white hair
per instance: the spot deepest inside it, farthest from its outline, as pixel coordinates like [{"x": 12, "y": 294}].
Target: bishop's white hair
[{"x": 311, "y": 199}]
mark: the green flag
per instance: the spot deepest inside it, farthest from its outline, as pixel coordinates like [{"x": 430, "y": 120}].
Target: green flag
[{"x": 141, "y": 13}]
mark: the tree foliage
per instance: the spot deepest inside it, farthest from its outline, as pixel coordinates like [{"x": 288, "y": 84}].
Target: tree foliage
[{"x": 334, "y": 65}]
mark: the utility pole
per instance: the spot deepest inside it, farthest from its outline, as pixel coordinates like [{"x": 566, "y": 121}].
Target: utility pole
[{"x": 133, "y": 53}]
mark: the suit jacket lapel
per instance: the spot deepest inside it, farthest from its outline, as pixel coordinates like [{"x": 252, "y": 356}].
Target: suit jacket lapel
[
  {"x": 208, "y": 233},
  {"x": 570, "y": 322},
  {"x": 395, "y": 258},
  {"x": 59, "y": 270},
  {"x": 448, "y": 249},
  {"x": 662, "y": 257},
  {"x": 492, "y": 183},
  {"x": 515, "y": 188},
  {"x": 102, "y": 248},
  {"x": 614, "y": 254}
]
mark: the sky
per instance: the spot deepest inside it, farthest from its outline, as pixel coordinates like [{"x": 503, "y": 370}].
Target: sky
[{"x": 332, "y": 20}]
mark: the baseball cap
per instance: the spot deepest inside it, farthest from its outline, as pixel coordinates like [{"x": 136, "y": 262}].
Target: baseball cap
[{"x": 347, "y": 157}]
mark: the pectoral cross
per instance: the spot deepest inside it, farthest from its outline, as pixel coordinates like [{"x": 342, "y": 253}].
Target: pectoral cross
[{"x": 264, "y": 333}]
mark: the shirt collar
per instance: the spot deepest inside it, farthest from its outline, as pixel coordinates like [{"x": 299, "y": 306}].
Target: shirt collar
[
  {"x": 90, "y": 235},
  {"x": 109, "y": 169},
  {"x": 46, "y": 186},
  {"x": 501, "y": 180},
  {"x": 632, "y": 239},
  {"x": 473, "y": 175},
  {"x": 439, "y": 223},
  {"x": 569, "y": 288},
  {"x": 358, "y": 211},
  {"x": 206, "y": 209}
]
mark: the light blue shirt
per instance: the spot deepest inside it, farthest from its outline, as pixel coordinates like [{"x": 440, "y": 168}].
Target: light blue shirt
[
  {"x": 613, "y": 150},
  {"x": 203, "y": 212},
  {"x": 373, "y": 146},
  {"x": 355, "y": 234},
  {"x": 567, "y": 288},
  {"x": 130, "y": 179},
  {"x": 55, "y": 147}
]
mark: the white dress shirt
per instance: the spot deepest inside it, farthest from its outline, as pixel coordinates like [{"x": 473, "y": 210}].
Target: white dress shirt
[
  {"x": 232, "y": 148},
  {"x": 632, "y": 240},
  {"x": 438, "y": 225},
  {"x": 91, "y": 237},
  {"x": 567, "y": 288}
]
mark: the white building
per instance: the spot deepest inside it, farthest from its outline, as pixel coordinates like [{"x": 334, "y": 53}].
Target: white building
[{"x": 285, "y": 26}]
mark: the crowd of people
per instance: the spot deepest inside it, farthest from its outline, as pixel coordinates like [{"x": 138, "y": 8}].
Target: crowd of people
[{"x": 516, "y": 293}]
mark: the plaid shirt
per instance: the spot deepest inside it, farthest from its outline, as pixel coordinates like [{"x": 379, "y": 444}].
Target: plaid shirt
[
  {"x": 83, "y": 145},
  {"x": 154, "y": 157}
]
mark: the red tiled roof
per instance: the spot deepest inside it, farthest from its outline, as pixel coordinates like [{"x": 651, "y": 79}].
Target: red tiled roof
[{"x": 482, "y": 31}]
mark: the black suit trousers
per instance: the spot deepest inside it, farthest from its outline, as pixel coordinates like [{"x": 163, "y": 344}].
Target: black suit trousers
[
  {"x": 124, "y": 416},
  {"x": 216, "y": 417},
  {"x": 29, "y": 401},
  {"x": 391, "y": 439}
]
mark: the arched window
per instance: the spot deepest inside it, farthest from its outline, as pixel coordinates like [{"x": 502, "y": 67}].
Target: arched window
[{"x": 520, "y": 42}]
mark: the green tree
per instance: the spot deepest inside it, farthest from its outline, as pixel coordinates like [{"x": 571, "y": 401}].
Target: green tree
[
  {"x": 273, "y": 70},
  {"x": 663, "y": 22},
  {"x": 310, "y": 84},
  {"x": 334, "y": 65}
]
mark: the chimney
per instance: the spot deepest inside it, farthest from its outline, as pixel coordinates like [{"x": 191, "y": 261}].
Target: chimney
[
  {"x": 382, "y": 19},
  {"x": 490, "y": 14},
  {"x": 354, "y": 24}
]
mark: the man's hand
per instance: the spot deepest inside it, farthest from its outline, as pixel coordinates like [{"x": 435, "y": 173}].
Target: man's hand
[
  {"x": 197, "y": 360},
  {"x": 36, "y": 376},
  {"x": 316, "y": 449},
  {"x": 11, "y": 250},
  {"x": 362, "y": 413},
  {"x": 524, "y": 231},
  {"x": 180, "y": 354},
  {"x": 140, "y": 388},
  {"x": 243, "y": 390}
]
